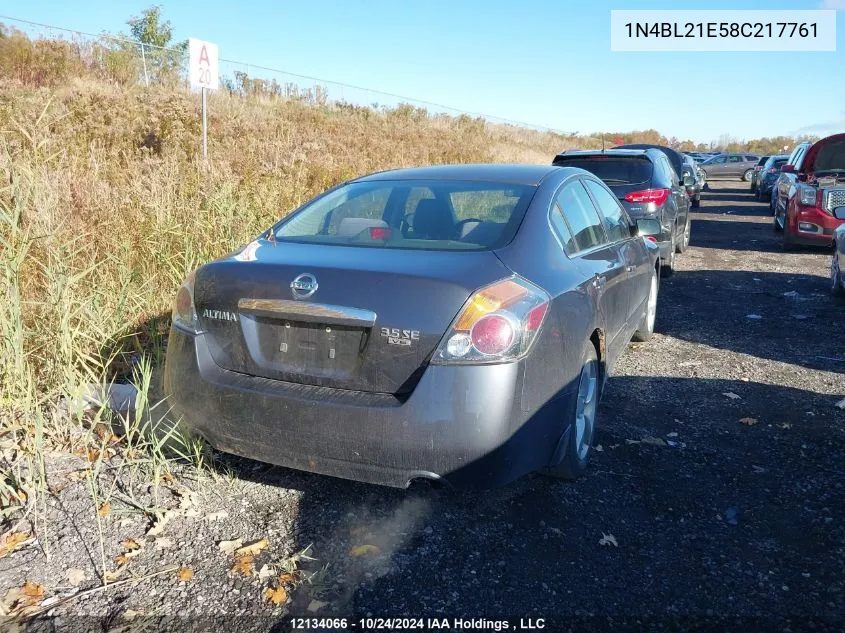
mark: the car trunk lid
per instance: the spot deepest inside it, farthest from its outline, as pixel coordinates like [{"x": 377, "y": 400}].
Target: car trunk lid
[{"x": 356, "y": 318}]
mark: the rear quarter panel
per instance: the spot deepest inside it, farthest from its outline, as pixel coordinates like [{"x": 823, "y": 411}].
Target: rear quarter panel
[{"x": 555, "y": 361}]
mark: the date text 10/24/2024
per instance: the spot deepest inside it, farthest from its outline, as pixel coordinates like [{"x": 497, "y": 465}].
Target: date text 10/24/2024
[{"x": 417, "y": 624}]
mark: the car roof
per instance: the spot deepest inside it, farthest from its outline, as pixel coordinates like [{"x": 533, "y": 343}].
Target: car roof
[
  {"x": 502, "y": 173},
  {"x": 594, "y": 152}
]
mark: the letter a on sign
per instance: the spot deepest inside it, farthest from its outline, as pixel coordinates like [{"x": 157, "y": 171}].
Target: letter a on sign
[{"x": 204, "y": 67}]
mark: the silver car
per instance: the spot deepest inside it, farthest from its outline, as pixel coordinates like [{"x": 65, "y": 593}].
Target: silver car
[
  {"x": 837, "y": 264},
  {"x": 730, "y": 166}
]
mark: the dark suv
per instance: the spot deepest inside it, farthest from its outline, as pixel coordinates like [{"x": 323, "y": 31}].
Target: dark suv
[{"x": 648, "y": 187}]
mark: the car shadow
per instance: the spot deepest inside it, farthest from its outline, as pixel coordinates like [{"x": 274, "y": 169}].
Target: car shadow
[
  {"x": 786, "y": 317},
  {"x": 676, "y": 486}
]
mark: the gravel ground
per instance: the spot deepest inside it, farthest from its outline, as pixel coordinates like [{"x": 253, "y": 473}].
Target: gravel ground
[{"x": 718, "y": 491}]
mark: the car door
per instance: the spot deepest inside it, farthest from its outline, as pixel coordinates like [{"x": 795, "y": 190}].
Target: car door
[
  {"x": 717, "y": 166},
  {"x": 590, "y": 249},
  {"x": 735, "y": 165},
  {"x": 632, "y": 249}
]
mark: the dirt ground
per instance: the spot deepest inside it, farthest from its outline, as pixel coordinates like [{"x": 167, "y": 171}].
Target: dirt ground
[{"x": 717, "y": 491}]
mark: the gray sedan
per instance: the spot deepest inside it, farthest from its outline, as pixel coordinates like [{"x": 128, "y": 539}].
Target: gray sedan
[
  {"x": 730, "y": 165},
  {"x": 451, "y": 323}
]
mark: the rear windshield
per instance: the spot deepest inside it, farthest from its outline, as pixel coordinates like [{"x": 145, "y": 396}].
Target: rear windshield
[
  {"x": 774, "y": 164},
  {"x": 613, "y": 170},
  {"x": 412, "y": 214}
]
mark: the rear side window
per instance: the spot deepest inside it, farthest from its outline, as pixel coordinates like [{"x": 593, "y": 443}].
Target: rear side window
[
  {"x": 762, "y": 161},
  {"x": 581, "y": 216},
  {"x": 562, "y": 228},
  {"x": 735, "y": 159},
  {"x": 614, "y": 170},
  {"x": 611, "y": 210}
]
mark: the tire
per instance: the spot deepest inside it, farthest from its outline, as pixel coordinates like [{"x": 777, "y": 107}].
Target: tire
[
  {"x": 776, "y": 226},
  {"x": 696, "y": 202},
  {"x": 684, "y": 244},
  {"x": 646, "y": 328},
  {"x": 753, "y": 188},
  {"x": 787, "y": 238},
  {"x": 747, "y": 175},
  {"x": 836, "y": 279},
  {"x": 581, "y": 414},
  {"x": 667, "y": 266}
]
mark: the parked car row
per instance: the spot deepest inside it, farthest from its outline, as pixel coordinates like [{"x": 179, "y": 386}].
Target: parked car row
[
  {"x": 451, "y": 323},
  {"x": 805, "y": 191},
  {"x": 648, "y": 186},
  {"x": 730, "y": 165}
]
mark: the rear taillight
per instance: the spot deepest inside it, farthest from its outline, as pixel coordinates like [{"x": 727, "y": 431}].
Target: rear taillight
[
  {"x": 651, "y": 238},
  {"x": 656, "y": 196},
  {"x": 498, "y": 323},
  {"x": 758, "y": 168},
  {"x": 380, "y": 233},
  {"x": 184, "y": 312}
]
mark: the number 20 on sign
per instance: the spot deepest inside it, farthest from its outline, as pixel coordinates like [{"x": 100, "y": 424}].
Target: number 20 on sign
[{"x": 204, "y": 74}]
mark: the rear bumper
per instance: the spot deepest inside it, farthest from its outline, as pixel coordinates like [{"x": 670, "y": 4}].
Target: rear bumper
[{"x": 462, "y": 424}]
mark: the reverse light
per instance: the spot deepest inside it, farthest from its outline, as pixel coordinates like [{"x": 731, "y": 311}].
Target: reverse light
[
  {"x": 498, "y": 323},
  {"x": 656, "y": 196},
  {"x": 809, "y": 196},
  {"x": 184, "y": 313}
]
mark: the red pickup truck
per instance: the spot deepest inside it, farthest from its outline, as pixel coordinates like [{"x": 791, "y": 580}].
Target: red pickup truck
[{"x": 811, "y": 193}]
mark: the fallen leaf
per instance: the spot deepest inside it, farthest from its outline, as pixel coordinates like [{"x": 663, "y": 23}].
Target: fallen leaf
[
  {"x": 785, "y": 425},
  {"x": 75, "y": 577},
  {"x": 253, "y": 548},
  {"x": 111, "y": 576},
  {"x": 92, "y": 455},
  {"x": 162, "y": 542},
  {"x": 121, "y": 560},
  {"x": 316, "y": 605},
  {"x": 277, "y": 596},
  {"x": 131, "y": 614},
  {"x": 266, "y": 572},
  {"x": 229, "y": 547},
  {"x": 130, "y": 544},
  {"x": 12, "y": 541},
  {"x": 672, "y": 434},
  {"x": 748, "y": 421},
  {"x": 654, "y": 441},
  {"x": 244, "y": 565},
  {"x": 104, "y": 510},
  {"x": 216, "y": 516},
  {"x": 841, "y": 404},
  {"x": 361, "y": 550},
  {"x": 608, "y": 539},
  {"x": 161, "y": 520},
  {"x": 33, "y": 590},
  {"x": 185, "y": 574},
  {"x": 731, "y": 395},
  {"x": 598, "y": 448},
  {"x": 288, "y": 578}
]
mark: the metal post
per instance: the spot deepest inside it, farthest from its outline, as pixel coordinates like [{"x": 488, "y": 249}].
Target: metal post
[
  {"x": 144, "y": 62},
  {"x": 204, "y": 127}
]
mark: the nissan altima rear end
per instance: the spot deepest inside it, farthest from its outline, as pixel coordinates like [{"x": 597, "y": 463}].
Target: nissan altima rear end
[{"x": 416, "y": 324}]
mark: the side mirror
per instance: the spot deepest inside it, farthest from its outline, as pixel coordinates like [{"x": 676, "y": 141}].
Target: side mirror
[
  {"x": 689, "y": 181},
  {"x": 839, "y": 213},
  {"x": 648, "y": 227},
  {"x": 787, "y": 168}
]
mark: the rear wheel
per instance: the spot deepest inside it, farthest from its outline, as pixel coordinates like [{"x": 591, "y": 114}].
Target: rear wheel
[
  {"x": 776, "y": 225},
  {"x": 684, "y": 243},
  {"x": 836, "y": 279},
  {"x": 646, "y": 329},
  {"x": 667, "y": 265},
  {"x": 696, "y": 202},
  {"x": 582, "y": 419},
  {"x": 747, "y": 175},
  {"x": 787, "y": 238}
]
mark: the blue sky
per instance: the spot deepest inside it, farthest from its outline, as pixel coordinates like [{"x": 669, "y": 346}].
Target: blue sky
[{"x": 540, "y": 61}]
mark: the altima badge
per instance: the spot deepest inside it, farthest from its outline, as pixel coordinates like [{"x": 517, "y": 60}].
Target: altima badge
[
  {"x": 220, "y": 315},
  {"x": 304, "y": 286}
]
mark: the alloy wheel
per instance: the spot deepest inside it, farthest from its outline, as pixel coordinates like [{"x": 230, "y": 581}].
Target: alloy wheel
[{"x": 585, "y": 409}]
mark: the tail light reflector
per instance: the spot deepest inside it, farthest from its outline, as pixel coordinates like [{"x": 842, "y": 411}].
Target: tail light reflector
[
  {"x": 498, "y": 323},
  {"x": 656, "y": 196}
]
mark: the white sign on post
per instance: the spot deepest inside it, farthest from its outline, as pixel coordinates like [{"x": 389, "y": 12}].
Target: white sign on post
[{"x": 204, "y": 70}]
